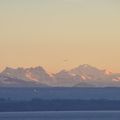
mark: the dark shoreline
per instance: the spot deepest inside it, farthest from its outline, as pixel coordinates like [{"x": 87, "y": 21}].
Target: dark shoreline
[{"x": 59, "y": 105}]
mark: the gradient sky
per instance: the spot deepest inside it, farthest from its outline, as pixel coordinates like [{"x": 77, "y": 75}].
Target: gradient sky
[{"x": 60, "y": 34}]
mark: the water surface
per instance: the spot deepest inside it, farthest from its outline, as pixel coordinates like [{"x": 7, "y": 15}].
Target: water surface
[{"x": 76, "y": 115}]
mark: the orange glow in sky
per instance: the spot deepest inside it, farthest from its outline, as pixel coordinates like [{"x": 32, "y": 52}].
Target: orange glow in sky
[{"x": 59, "y": 34}]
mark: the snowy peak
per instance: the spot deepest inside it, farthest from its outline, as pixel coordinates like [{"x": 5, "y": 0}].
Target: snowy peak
[
  {"x": 87, "y": 72},
  {"x": 86, "y": 69},
  {"x": 37, "y": 74},
  {"x": 13, "y": 73},
  {"x": 83, "y": 75},
  {"x": 65, "y": 78}
]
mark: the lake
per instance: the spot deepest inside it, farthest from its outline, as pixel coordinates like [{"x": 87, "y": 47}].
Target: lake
[{"x": 73, "y": 115}]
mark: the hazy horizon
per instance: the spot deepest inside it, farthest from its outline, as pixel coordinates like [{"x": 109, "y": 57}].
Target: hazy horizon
[
  {"x": 59, "y": 34},
  {"x": 59, "y": 70}
]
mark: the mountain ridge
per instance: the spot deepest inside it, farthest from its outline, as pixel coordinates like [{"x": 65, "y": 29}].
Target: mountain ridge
[{"x": 81, "y": 76}]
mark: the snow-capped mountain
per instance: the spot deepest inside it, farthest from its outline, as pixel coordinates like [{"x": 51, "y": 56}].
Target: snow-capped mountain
[
  {"x": 65, "y": 78},
  {"x": 35, "y": 75},
  {"x": 95, "y": 76},
  {"x": 15, "y": 82},
  {"x": 81, "y": 76}
]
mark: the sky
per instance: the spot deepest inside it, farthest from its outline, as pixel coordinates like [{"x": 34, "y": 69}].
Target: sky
[{"x": 59, "y": 34}]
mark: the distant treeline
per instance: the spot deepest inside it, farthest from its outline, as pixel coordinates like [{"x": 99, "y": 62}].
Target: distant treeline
[{"x": 7, "y": 105}]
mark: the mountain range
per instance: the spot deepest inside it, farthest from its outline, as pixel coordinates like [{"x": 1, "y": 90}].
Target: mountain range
[{"x": 81, "y": 76}]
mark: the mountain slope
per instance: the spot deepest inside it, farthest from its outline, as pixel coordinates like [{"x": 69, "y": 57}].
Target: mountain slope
[
  {"x": 81, "y": 76},
  {"x": 35, "y": 75},
  {"x": 14, "y": 82},
  {"x": 95, "y": 76}
]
